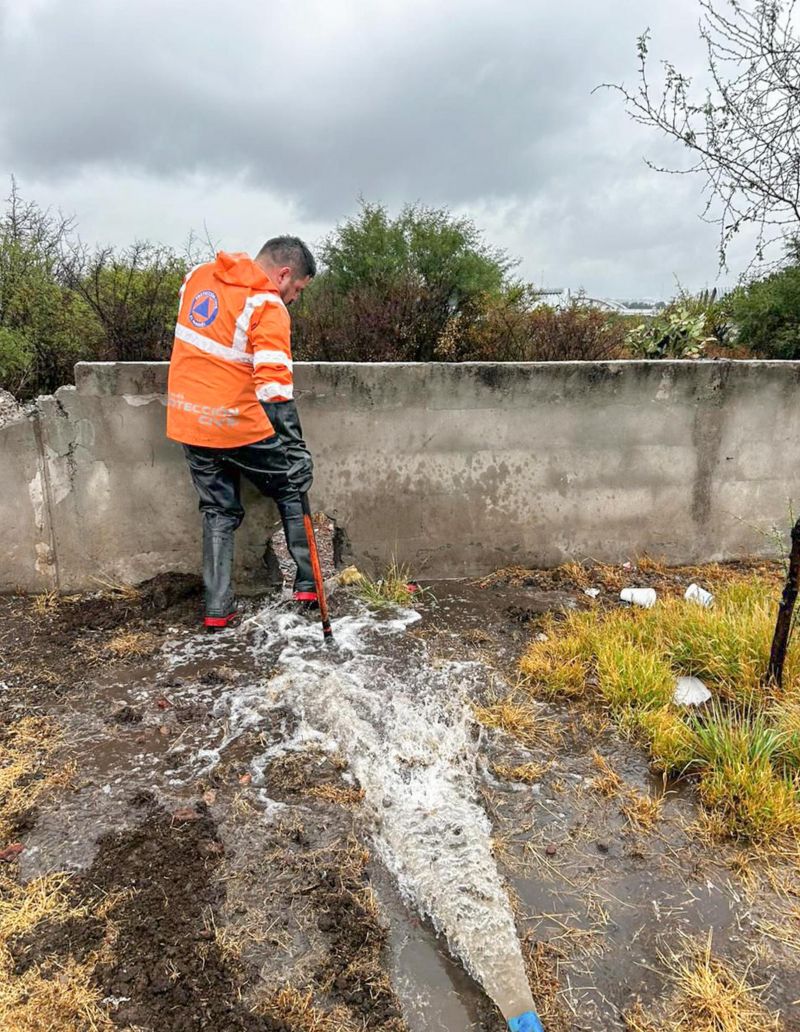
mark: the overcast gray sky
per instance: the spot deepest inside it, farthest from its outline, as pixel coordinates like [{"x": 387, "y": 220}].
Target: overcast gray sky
[{"x": 152, "y": 118}]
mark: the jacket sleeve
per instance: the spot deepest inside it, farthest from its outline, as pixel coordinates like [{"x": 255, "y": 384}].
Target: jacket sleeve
[{"x": 270, "y": 340}]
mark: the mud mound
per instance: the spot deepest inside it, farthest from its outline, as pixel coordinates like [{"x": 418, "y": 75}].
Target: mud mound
[{"x": 107, "y": 611}]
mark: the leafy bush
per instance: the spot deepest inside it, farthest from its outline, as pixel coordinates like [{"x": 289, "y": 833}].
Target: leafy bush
[
  {"x": 690, "y": 326},
  {"x": 767, "y": 314},
  {"x": 677, "y": 332},
  {"x": 133, "y": 296},
  {"x": 506, "y": 330},
  {"x": 44, "y": 327},
  {"x": 389, "y": 287}
]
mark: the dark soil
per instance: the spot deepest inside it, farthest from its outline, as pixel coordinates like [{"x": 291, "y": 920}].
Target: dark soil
[{"x": 166, "y": 966}]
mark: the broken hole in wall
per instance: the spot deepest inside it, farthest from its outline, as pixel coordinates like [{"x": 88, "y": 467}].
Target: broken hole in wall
[{"x": 332, "y": 544}]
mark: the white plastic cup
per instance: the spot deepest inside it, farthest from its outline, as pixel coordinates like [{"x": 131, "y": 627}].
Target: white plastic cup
[
  {"x": 694, "y": 593},
  {"x": 645, "y": 597}
]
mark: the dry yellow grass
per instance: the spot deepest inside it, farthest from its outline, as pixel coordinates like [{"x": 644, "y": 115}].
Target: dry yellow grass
[
  {"x": 53, "y": 997},
  {"x": 45, "y": 603},
  {"x": 516, "y": 718},
  {"x": 785, "y": 930},
  {"x": 708, "y": 995},
  {"x": 526, "y": 773},
  {"x": 295, "y": 1008},
  {"x": 117, "y": 589},
  {"x": 642, "y": 811},
  {"x": 27, "y": 746},
  {"x": 131, "y": 645},
  {"x": 606, "y": 782},
  {"x": 49, "y": 996},
  {"x": 335, "y": 794}
]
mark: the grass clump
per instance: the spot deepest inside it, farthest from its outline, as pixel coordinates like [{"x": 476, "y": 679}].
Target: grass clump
[
  {"x": 295, "y": 1009},
  {"x": 516, "y": 717},
  {"x": 523, "y": 773},
  {"x": 642, "y": 811},
  {"x": 606, "y": 782},
  {"x": 557, "y": 665},
  {"x": 131, "y": 645},
  {"x": 394, "y": 588},
  {"x": 744, "y": 748},
  {"x": 739, "y": 756},
  {"x": 53, "y": 997},
  {"x": 708, "y": 995}
]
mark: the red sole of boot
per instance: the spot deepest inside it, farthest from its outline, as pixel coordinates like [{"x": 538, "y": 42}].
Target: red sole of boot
[{"x": 216, "y": 623}]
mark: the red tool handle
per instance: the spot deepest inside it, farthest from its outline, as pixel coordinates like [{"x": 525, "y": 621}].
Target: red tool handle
[{"x": 327, "y": 633}]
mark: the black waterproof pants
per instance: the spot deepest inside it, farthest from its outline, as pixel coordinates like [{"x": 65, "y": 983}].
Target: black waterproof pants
[{"x": 216, "y": 475}]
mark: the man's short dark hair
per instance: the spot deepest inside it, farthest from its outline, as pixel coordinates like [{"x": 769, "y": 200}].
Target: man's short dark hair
[{"x": 291, "y": 251}]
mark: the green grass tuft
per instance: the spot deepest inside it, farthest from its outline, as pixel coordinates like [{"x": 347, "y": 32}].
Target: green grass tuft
[
  {"x": 744, "y": 748},
  {"x": 394, "y": 588}
]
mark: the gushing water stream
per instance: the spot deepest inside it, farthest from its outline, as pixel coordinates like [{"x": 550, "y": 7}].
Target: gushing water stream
[{"x": 404, "y": 725}]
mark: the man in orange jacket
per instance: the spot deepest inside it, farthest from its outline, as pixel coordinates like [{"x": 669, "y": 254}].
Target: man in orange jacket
[{"x": 230, "y": 404}]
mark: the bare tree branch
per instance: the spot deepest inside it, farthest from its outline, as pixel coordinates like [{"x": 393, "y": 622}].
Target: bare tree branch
[{"x": 744, "y": 131}]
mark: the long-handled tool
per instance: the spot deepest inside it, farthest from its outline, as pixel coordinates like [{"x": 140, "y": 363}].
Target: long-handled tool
[{"x": 327, "y": 633}]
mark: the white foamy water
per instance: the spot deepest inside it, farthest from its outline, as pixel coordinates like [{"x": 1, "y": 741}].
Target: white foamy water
[{"x": 405, "y": 727}]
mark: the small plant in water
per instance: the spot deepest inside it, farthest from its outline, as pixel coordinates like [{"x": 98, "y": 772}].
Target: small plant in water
[{"x": 394, "y": 588}]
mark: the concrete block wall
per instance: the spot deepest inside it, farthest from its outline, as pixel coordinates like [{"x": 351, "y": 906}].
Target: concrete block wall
[{"x": 455, "y": 469}]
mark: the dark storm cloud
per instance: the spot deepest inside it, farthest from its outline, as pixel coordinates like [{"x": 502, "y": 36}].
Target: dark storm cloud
[
  {"x": 150, "y": 119},
  {"x": 451, "y": 103}
]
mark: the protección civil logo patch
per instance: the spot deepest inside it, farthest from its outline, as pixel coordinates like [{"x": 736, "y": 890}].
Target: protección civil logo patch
[{"x": 204, "y": 308}]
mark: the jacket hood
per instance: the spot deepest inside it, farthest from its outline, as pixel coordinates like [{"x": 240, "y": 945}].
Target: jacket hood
[{"x": 240, "y": 270}]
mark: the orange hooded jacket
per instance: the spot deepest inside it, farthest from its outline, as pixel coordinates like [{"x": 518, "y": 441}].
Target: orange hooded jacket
[{"x": 232, "y": 350}]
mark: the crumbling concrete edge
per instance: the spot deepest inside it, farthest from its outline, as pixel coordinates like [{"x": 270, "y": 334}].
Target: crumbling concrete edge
[{"x": 48, "y": 530}]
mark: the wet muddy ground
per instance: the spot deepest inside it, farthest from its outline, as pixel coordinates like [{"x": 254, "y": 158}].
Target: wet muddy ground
[{"x": 246, "y": 867}]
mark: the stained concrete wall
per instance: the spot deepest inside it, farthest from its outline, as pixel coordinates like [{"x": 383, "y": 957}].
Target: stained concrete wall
[{"x": 456, "y": 469}]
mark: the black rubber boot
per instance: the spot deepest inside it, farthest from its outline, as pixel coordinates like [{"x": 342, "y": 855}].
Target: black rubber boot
[
  {"x": 217, "y": 573},
  {"x": 296, "y": 541}
]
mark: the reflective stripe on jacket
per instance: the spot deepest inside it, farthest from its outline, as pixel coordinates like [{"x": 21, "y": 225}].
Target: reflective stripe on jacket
[{"x": 232, "y": 350}]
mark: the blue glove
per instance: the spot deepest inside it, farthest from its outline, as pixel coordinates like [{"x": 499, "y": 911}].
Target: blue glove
[{"x": 527, "y": 1022}]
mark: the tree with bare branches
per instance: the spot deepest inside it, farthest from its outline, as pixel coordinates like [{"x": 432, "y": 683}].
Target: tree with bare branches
[{"x": 743, "y": 129}]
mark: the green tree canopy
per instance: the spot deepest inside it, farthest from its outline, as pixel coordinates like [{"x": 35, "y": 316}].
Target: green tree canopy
[{"x": 428, "y": 246}]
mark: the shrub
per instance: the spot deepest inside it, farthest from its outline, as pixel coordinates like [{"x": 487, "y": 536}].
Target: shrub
[
  {"x": 677, "y": 332},
  {"x": 389, "y": 287},
  {"x": 767, "y": 314},
  {"x": 44, "y": 327},
  {"x": 132, "y": 296},
  {"x": 506, "y": 330}
]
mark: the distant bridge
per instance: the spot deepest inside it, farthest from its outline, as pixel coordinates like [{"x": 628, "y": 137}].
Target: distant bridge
[{"x": 561, "y": 296}]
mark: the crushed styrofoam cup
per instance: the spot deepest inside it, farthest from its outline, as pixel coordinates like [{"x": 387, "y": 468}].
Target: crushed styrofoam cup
[
  {"x": 690, "y": 691},
  {"x": 639, "y": 596},
  {"x": 591, "y": 592},
  {"x": 694, "y": 593}
]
